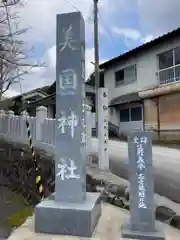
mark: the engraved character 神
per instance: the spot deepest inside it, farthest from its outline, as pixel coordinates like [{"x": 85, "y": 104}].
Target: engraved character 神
[
  {"x": 62, "y": 122},
  {"x": 72, "y": 121}
]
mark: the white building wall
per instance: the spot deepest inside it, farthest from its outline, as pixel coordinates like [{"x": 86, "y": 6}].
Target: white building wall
[
  {"x": 114, "y": 115},
  {"x": 147, "y": 67},
  {"x": 125, "y": 127}
]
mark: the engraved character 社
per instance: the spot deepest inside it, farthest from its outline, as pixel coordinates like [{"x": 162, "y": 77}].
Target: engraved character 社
[{"x": 67, "y": 171}]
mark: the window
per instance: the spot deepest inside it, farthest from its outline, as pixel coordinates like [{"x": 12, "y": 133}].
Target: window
[
  {"x": 131, "y": 114},
  {"x": 166, "y": 60},
  {"x": 125, "y": 76},
  {"x": 119, "y": 78},
  {"x": 177, "y": 56},
  {"x": 136, "y": 114},
  {"x": 124, "y": 115},
  {"x": 169, "y": 66},
  {"x": 101, "y": 80}
]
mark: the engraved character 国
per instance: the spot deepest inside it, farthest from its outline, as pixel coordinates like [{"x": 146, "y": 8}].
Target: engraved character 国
[{"x": 68, "y": 79}]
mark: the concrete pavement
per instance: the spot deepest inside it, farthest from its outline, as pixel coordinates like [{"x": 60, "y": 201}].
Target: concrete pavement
[
  {"x": 108, "y": 227},
  {"x": 166, "y": 163}
]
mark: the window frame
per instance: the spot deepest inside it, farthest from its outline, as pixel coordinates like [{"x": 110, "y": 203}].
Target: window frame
[
  {"x": 173, "y": 68},
  {"x": 124, "y": 81},
  {"x": 131, "y": 113},
  {"x": 118, "y": 83},
  {"x": 127, "y": 108},
  {"x": 130, "y": 116}
]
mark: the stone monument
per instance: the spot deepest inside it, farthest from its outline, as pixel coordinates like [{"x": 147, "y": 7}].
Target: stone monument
[
  {"x": 142, "y": 219},
  {"x": 70, "y": 210}
]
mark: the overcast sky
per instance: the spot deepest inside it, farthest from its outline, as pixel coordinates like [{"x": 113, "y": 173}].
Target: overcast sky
[{"x": 123, "y": 25}]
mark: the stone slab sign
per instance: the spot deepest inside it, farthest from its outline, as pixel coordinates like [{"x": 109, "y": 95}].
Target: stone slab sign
[
  {"x": 103, "y": 133},
  {"x": 70, "y": 211},
  {"x": 142, "y": 220}
]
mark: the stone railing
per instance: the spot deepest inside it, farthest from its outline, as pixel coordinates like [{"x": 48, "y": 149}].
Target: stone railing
[{"x": 42, "y": 129}]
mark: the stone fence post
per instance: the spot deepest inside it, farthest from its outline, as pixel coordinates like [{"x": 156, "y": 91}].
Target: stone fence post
[
  {"x": 23, "y": 129},
  {"x": 2, "y": 113},
  {"x": 41, "y": 115},
  {"x": 10, "y": 115},
  {"x": 2, "y": 127}
]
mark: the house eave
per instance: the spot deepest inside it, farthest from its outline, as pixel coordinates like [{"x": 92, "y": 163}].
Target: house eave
[
  {"x": 160, "y": 90},
  {"x": 127, "y": 98}
]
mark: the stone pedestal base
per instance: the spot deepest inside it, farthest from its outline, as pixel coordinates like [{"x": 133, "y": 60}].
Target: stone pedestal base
[
  {"x": 128, "y": 233},
  {"x": 76, "y": 219}
]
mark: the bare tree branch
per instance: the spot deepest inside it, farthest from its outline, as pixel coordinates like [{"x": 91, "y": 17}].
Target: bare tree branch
[{"x": 15, "y": 61}]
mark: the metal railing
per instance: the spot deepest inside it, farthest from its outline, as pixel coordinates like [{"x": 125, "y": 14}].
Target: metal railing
[{"x": 169, "y": 75}]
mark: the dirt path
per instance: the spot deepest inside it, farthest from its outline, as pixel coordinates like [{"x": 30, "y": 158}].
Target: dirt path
[{"x": 10, "y": 203}]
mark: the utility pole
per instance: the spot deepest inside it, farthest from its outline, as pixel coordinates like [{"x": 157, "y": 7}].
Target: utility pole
[
  {"x": 96, "y": 58},
  {"x": 1, "y": 72}
]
